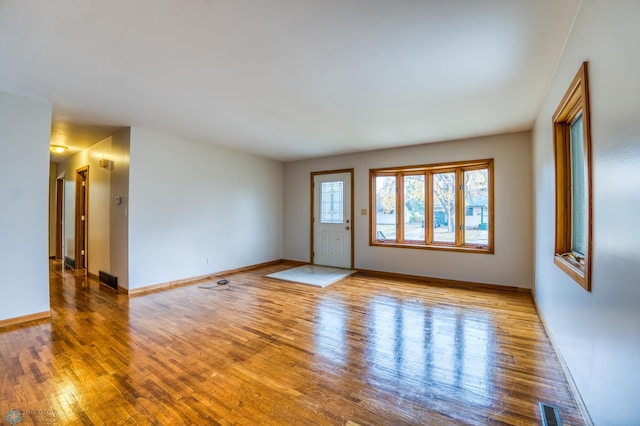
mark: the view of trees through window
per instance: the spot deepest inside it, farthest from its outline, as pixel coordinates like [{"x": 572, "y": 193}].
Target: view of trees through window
[
  {"x": 444, "y": 207},
  {"x": 423, "y": 205},
  {"x": 386, "y": 207},
  {"x": 414, "y": 216},
  {"x": 476, "y": 198}
]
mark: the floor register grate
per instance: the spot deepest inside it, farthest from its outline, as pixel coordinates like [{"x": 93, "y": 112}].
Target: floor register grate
[
  {"x": 108, "y": 279},
  {"x": 550, "y": 415}
]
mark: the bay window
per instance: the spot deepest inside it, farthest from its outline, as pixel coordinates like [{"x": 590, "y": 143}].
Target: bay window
[{"x": 441, "y": 206}]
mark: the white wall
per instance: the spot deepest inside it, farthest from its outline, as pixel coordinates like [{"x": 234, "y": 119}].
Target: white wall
[
  {"x": 118, "y": 219},
  {"x": 107, "y": 222},
  {"x": 25, "y": 126},
  {"x": 511, "y": 263},
  {"x": 190, "y": 200},
  {"x": 598, "y": 332}
]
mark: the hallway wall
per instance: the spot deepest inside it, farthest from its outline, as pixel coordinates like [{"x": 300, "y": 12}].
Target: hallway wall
[
  {"x": 25, "y": 126},
  {"x": 107, "y": 221}
]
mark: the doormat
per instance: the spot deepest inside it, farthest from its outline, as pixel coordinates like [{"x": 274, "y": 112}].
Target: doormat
[{"x": 315, "y": 275}]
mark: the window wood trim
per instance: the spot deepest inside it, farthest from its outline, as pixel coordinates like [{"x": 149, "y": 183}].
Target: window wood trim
[
  {"x": 574, "y": 102},
  {"x": 428, "y": 170}
]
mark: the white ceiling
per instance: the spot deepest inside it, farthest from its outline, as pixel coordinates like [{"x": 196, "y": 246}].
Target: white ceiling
[{"x": 285, "y": 79}]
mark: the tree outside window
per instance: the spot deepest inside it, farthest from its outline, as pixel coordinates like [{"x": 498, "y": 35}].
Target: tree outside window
[{"x": 444, "y": 206}]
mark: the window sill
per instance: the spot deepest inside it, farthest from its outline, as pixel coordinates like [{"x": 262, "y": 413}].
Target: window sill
[
  {"x": 571, "y": 267},
  {"x": 441, "y": 247}
]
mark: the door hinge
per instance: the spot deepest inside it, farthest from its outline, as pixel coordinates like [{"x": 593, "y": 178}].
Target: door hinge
[
  {"x": 82, "y": 252},
  {"x": 82, "y": 183},
  {"x": 82, "y": 217}
]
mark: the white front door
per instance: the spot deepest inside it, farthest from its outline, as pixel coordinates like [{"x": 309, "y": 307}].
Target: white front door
[{"x": 332, "y": 227}]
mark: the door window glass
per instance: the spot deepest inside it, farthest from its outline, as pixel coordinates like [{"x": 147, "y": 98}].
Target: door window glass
[{"x": 332, "y": 202}]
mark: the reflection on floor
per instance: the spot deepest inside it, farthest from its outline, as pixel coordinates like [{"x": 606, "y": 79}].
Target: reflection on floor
[
  {"x": 363, "y": 351},
  {"x": 315, "y": 275}
]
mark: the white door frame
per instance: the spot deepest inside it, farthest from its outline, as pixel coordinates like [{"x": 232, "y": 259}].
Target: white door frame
[{"x": 311, "y": 221}]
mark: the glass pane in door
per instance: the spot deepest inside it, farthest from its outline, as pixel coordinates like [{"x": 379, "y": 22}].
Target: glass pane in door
[{"x": 332, "y": 202}]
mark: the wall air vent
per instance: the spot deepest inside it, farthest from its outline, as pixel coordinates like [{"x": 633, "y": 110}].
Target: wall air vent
[
  {"x": 108, "y": 279},
  {"x": 550, "y": 415}
]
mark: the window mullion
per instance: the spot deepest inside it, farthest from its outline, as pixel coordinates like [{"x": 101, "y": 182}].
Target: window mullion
[
  {"x": 373, "y": 211},
  {"x": 399, "y": 209},
  {"x": 459, "y": 207},
  {"x": 427, "y": 208}
]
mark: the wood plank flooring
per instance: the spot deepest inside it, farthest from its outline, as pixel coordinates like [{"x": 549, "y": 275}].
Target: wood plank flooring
[{"x": 363, "y": 351}]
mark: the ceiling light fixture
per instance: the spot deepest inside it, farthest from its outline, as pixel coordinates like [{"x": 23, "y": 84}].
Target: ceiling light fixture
[{"x": 58, "y": 149}]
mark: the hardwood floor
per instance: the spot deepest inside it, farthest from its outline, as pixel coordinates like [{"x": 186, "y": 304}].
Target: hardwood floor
[{"x": 362, "y": 351}]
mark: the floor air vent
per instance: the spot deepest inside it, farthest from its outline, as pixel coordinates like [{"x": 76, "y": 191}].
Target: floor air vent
[
  {"x": 550, "y": 415},
  {"x": 108, "y": 279}
]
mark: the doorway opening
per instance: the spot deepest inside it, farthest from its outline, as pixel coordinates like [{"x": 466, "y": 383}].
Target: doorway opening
[
  {"x": 59, "y": 217},
  {"x": 81, "y": 217}
]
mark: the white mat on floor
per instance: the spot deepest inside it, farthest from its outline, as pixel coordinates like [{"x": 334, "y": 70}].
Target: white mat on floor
[{"x": 315, "y": 275}]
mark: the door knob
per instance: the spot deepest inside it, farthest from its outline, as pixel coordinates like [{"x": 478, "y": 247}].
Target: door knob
[{"x": 346, "y": 227}]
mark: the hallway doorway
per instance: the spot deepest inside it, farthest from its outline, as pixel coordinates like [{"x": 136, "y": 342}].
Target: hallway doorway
[{"x": 81, "y": 217}]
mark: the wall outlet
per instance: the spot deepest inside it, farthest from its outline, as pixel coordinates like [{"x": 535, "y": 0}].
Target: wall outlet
[{"x": 209, "y": 261}]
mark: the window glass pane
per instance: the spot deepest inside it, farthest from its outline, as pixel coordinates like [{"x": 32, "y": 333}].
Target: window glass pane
[
  {"x": 444, "y": 207},
  {"x": 578, "y": 213},
  {"x": 385, "y": 208},
  {"x": 414, "y": 208},
  {"x": 332, "y": 202},
  {"x": 476, "y": 206}
]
